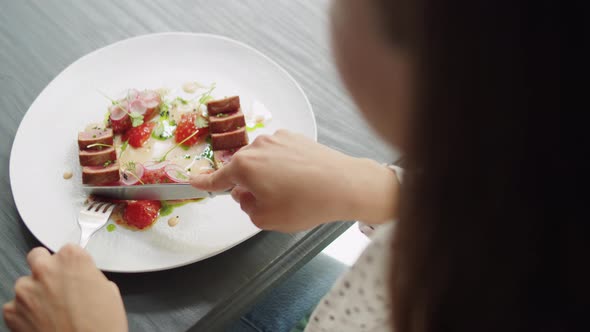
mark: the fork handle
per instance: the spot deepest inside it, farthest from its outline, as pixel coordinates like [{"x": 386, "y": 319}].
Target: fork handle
[{"x": 85, "y": 236}]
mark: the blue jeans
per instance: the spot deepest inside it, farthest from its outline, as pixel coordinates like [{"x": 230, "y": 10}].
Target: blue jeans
[{"x": 292, "y": 300}]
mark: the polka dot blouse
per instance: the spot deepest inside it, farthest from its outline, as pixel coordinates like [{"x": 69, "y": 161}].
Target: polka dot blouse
[{"x": 359, "y": 300}]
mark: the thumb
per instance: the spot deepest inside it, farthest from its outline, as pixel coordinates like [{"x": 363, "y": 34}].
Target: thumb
[{"x": 219, "y": 180}]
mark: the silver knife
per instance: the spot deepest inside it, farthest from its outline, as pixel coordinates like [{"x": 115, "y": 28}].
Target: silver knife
[{"x": 158, "y": 192}]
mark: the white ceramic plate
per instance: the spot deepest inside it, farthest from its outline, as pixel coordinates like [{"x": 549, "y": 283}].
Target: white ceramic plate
[{"x": 45, "y": 145}]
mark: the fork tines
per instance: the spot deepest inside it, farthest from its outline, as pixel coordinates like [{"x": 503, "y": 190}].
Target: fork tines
[{"x": 97, "y": 205}]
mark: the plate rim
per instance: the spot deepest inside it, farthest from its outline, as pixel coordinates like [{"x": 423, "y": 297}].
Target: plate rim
[{"x": 19, "y": 134}]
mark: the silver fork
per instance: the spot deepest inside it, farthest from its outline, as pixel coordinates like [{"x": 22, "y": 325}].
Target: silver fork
[{"x": 93, "y": 216}]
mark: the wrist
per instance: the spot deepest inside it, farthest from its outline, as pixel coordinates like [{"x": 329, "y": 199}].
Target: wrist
[{"x": 374, "y": 195}]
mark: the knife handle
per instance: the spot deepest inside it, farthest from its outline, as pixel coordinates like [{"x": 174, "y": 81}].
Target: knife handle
[{"x": 218, "y": 193}]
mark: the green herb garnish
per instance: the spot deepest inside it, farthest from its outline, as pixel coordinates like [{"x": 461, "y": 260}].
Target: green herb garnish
[
  {"x": 163, "y": 130},
  {"x": 168, "y": 206},
  {"x": 254, "y": 127},
  {"x": 164, "y": 110},
  {"x": 207, "y": 153},
  {"x": 111, "y": 227},
  {"x": 107, "y": 97},
  {"x": 136, "y": 119},
  {"x": 107, "y": 163},
  {"x": 201, "y": 122},
  {"x": 166, "y": 209},
  {"x": 123, "y": 148},
  {"x": 129, "y": 168},
  {"x": 206, "y": 97},
  {"x": 107, "y": 118},
  {"x": 181, "y": 100},
  {"x": 159, "y": 130}
]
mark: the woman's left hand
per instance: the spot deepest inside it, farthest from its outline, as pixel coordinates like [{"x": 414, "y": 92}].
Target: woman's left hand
[{"x": 66, "y": 292}]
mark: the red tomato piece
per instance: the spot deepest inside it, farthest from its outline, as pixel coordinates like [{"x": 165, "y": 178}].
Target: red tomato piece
[
  {"x": 121, "y": 125},
  {"x": 137, "y": 136},
  {"x": 141, "y": 214},
  {"x": 187, "y": 128},
  {"x": 150, "y": 114}
]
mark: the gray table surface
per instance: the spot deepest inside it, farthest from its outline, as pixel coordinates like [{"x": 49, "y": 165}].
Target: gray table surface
[{"x": 40, "y": 38}]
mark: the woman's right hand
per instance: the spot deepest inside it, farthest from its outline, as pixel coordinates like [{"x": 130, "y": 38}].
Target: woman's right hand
[{"x": 287, "y": 182}]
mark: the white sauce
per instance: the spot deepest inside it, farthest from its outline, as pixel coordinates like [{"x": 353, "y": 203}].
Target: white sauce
[
  {"x": 173, "y": 221},
  {"x": 155, "y": 149},
  {"x": 199, "y": 165}
]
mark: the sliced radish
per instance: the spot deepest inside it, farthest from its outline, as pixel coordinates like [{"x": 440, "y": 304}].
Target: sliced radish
[
  {"x": 117, "y": 111},
  {"x": 131, "y": 177},
  {"x": 154, "y": 165},
  {"x": 155, "y": 172},
  {"x": 177, "y": 173},
  {"x": 132, "y": 95},
  {"x": 150, "y": 98},
  {"x": 137, "y": 106}
]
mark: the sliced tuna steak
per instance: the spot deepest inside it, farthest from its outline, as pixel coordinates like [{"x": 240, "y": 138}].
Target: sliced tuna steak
[
  {"x": 98, "y": 157},
  {"x": 99, "y": 137},
  {"x": 222, "y": 122},
  {"x": 99, "y": 175},
  {"x": 230, "y": 140},
  {"x": 227, "y": 105},
  {"x": 222, "y": 157}
]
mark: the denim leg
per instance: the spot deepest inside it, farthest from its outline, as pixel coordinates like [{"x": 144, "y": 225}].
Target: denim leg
[{"x": 293, "y": 299}]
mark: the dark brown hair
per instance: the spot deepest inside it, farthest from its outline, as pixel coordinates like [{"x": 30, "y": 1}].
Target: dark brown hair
[{"x": 491, "y": 234}]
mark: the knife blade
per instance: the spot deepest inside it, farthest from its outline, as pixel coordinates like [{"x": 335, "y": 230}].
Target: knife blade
[{"x": 159, "y": 192}]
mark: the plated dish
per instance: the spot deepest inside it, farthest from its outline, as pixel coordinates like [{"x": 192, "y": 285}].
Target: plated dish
[
  {"x": 45, "y": 149},
  {"x": 160, "y": 135}
]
